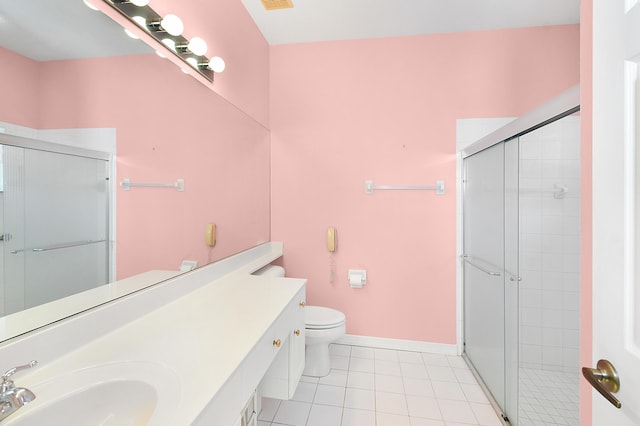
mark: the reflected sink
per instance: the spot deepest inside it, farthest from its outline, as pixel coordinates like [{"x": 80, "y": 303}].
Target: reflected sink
[{"x": 128, "y": 393}]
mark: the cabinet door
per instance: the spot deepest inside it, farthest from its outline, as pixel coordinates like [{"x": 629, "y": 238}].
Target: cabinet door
[
  {"x": 296, "y": 350},
  {"x": 275, "y": 383},
  {"x": 282, "y": 377}
]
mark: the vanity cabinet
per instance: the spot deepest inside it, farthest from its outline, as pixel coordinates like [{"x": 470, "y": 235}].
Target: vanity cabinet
[
  {"x": 273, "y": 366},
  {"x": 281, "y": 380}
]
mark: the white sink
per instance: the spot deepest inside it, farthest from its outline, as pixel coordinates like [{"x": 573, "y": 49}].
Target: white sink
[{"x": 124, "y": 393}]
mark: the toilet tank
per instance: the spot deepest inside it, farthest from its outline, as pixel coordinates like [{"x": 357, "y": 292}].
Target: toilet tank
[{"x": 270, "y": 271}]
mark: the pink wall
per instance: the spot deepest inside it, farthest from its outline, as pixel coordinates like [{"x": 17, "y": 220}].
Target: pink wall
[
  {"x": 19, "y": 88},
  {"x": 586, "y": 119},
  {"x": 168, "y": 126},
  {"x": 386, "y": 109}
]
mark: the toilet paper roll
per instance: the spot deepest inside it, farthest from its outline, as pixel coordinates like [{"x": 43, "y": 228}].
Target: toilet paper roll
[{"x": 355, "y": 281}]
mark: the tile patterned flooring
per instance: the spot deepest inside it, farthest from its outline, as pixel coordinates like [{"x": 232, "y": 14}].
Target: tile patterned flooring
[
  {"x": 548, "y": 398},
  {"x": 381, "y": 387}
]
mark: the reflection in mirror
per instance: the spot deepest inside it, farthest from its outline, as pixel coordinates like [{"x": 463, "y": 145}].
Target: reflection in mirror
[
  {"x": 51, "y": 30},
  {"x": 54, "y": 225},
  {"x": 74, "y": 78}
]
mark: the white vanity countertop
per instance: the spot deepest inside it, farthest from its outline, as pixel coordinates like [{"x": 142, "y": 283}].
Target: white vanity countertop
[{"x": 202, "y": 336}]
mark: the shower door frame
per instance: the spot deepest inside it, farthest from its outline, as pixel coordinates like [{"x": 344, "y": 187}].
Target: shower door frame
[{"x": 563, "y": 105}]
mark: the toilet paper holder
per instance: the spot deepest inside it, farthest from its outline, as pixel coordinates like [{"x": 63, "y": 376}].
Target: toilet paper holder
[{"x": 357, "y": 278}]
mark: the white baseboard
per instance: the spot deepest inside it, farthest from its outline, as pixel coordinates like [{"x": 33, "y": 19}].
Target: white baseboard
[{"x": 397, "y": 344}]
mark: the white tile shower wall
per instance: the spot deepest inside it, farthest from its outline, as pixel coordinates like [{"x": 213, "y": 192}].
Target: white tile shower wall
[{"x": 550, "y": 246}]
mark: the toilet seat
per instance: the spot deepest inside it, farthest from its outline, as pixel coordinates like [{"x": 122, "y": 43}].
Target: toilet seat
[{"x": 319, "y": 318}]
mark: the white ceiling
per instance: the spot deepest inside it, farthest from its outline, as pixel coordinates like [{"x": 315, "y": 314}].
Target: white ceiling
[
  {"x": 323, "y": 20},
  {"x": 65, "y": 29},
  {"x": 45, "y": 30}
]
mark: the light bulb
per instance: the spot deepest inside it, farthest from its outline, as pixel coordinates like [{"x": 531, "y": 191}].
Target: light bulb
[
  {"x": 90, "y": 6},
  {"x": 216, "y": 64},
  {"x": 169, "y": 43},
  {"x": 193, "y": 62},
  {"x": 198, "y": 46},
  {"x": 130, "y": 34},
  {"x": 140, "y": 21},
  {"x": 172, "y": 24},
  {"x": 160, "y": 54}
]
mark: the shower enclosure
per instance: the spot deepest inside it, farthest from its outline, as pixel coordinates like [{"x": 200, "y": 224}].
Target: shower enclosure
[
  {"x": 54, "y": 209},
  {"x": 521, "y": 223}
]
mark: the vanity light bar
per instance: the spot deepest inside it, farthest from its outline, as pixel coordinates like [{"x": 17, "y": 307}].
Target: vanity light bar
[{"x": 150, "y": 23}]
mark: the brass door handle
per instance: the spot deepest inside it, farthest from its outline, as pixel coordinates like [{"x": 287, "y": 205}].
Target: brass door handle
[
  {"x": 277, "y": 343},
  {"x": 605, "y": 379},
  {"x": 302, "y": 304},
  {"x": 296, "y": 332}
]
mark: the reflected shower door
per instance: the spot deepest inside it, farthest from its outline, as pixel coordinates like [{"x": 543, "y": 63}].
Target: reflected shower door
[
  {"x": 56, "y": 217},
  {"x": 484, "y": 296}
]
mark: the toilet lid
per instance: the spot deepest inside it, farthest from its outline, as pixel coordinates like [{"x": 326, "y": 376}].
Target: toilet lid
[{"x": 321, "y": 317}]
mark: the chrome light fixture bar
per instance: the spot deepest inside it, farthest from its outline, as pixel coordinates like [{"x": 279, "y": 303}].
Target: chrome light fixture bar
[{"x": 168, "y": 32}]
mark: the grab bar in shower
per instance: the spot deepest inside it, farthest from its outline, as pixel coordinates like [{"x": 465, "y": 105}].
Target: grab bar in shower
[
  {"x": 178, "y": 184},
  {"x": 59, "y": 246},
  {"x": 467, "y": 258},
  {"x": 438, "y": 187}
]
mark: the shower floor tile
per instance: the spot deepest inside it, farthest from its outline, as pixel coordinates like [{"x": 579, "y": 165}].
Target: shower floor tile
[{"x": 548, "y": 398}]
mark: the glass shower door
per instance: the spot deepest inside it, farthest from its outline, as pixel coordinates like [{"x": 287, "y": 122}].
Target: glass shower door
[
  {"x": 522, "y": 272},
  {"x": 55, "y": 226},
  {"x": 491, "y": 270},
  {"x": 484, "y": 297}
]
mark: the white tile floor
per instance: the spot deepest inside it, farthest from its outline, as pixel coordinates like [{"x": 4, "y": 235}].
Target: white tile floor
[
  {"x": 381, "y": 387},
  {"x": 548, "y": 398}
]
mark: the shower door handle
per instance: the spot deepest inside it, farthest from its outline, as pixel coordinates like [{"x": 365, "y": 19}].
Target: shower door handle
[
  {"x": 467, "y": 258},
  {"x": 59, "y": 246},
  {"x": 67, "y": 245},
  {"x": 605, "y": 379}
]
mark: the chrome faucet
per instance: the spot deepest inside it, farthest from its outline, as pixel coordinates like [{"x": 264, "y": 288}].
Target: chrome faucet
[{"x": 11, "y": 397}]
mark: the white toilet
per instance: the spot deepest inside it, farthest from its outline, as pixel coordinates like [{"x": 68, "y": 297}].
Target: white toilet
[{"x": 322, "y": 327}]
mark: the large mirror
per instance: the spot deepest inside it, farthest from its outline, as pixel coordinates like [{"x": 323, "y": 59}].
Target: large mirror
[{"x": 71, "y": 76}]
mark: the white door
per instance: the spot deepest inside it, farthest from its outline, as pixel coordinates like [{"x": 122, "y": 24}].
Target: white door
[{"x": 616, "y": 205}]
